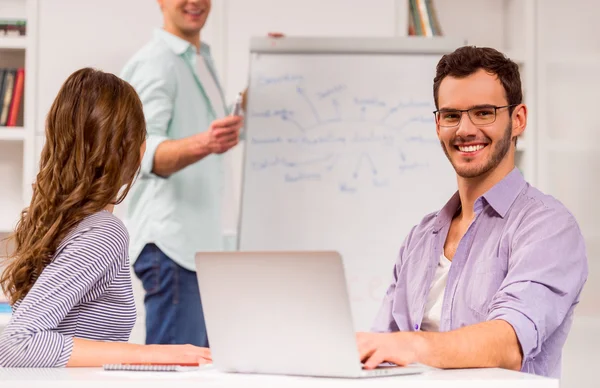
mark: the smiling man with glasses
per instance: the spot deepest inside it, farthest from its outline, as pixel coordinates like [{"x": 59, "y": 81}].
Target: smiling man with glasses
[{"x": 493, "y": 278}]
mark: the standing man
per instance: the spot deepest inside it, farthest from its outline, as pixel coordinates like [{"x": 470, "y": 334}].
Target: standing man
[
  {"x": 493, "y": 278},
  {"x": 175, "y": 206}
]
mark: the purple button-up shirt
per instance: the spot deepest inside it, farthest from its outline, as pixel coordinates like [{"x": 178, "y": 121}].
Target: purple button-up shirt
[{"x": 522, "y": 260}]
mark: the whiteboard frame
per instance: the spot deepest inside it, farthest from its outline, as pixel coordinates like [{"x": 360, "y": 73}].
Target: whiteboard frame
[
  {"x": 315, "y": 45},
  {"x": 343, "y": 45}
]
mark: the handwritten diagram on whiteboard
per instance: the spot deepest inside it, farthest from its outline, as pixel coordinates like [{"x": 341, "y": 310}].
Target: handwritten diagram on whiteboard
[
  {"x": 342, "y": 153},
  {"x": 320, "y": 131}
]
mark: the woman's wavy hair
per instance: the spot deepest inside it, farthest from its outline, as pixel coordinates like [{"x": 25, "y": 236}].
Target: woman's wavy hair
[{"x": 94, "y": 133}]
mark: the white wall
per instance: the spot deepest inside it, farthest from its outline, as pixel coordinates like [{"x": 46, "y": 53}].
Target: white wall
[{"x": 568, "y": 154}]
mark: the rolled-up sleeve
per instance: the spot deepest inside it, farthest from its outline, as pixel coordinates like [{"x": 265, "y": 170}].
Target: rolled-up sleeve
[
  {"x": 546, "y": 273},
  {"x": 155, "y": 84},
  {"x": 152, "y": 143}
]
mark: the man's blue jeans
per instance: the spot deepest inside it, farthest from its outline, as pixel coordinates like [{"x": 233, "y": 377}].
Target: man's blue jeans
[{"x": 173, "y": 306}]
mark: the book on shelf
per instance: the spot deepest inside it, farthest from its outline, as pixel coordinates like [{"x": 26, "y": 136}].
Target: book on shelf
[
  {"x": 422, "y": 19},
  {"x": 12, "y": 82},
  {"x": 13, "y": 27}
]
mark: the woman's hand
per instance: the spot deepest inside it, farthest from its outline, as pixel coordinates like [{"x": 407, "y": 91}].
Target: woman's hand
[{"x": 182, "y": 354}]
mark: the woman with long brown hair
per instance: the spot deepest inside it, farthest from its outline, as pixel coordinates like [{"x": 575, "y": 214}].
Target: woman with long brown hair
[{"x": 68, "y": 279}]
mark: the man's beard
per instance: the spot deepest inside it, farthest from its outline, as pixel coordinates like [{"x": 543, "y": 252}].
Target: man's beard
[{"x": 500, "y": 150}]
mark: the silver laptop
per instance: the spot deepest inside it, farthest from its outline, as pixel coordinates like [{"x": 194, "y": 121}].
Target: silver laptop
[{"x": 281, "y": 313}]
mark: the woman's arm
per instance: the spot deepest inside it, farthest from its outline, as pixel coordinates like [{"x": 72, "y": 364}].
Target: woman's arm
[
  {"x": 88, "y": 353},
  {"x": 31, "y": 338}
]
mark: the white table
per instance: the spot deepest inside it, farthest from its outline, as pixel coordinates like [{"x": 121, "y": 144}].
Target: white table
[{"x": 209, "y": 377}]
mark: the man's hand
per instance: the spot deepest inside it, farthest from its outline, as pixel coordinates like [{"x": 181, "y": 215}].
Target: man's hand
[
  {"x": 222, "y": 135},
  {"x": 400, "y": 348}
]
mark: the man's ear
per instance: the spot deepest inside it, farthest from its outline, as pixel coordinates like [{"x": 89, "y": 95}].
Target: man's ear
[{"x": 519, "y": 120}]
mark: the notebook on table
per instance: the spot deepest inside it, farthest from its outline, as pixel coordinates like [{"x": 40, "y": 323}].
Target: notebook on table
[{"x": 152, "y": 367}]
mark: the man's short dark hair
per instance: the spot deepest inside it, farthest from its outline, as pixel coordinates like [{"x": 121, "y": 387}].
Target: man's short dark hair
[{"x": 467, "y": 60}]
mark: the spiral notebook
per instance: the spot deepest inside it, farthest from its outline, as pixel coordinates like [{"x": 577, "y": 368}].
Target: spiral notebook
[{"x": 152, "y": 367}]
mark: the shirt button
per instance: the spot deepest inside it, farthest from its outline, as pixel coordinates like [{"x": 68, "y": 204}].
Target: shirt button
[{"x": 416, "y": 327}]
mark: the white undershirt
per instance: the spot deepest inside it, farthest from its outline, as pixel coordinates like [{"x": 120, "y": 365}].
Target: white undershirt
[
  {"x": 210, "y": 86},
  {"x": 435, "y": 299},
  {"x": 228, "y": 205}
]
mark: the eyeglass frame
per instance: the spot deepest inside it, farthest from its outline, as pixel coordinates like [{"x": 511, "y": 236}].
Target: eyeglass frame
[{"x": 435, "y": 113}]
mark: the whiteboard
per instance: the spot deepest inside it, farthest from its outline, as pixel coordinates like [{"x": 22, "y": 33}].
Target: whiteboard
[{"x": 342, "y": 154}]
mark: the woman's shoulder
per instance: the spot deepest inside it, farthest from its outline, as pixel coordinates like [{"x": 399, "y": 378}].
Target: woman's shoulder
[
  {"x": 103, "y": 220},
  {"x": 102, "y": 234}
]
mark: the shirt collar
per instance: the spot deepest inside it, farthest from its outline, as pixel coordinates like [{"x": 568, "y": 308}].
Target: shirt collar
[
  {"x": 500, "y": 197},
  {"x": 180, "y": 46},
  {"x": 504, "y": 193},
  {"x": 447, "y": 213}
]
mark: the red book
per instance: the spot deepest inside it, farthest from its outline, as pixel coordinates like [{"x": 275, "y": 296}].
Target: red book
[{"x": 16, "y": 98}]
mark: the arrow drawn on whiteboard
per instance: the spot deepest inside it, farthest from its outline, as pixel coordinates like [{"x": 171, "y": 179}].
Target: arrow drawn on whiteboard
[
  {"x": 302, "y": 93},
  {"x": 288, "y": 119},
  {"x": 391, "y": 111},
  {"x": 362, "y": 157}
]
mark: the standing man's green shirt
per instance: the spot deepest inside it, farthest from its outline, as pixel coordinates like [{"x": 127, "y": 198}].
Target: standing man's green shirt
[
  {"x": 174, "y": 208},
  {"x": 182, "y": 213}
]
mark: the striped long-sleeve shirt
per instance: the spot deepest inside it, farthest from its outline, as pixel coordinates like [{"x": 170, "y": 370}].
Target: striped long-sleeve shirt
[{"x": 85, "y": 292}]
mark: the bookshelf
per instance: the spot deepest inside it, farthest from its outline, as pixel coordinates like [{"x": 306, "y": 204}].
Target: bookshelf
[
  {"x": 17, "y": 142},
  {"x": 12, "y": 134},
  {"x": 13, "y": 43}
]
